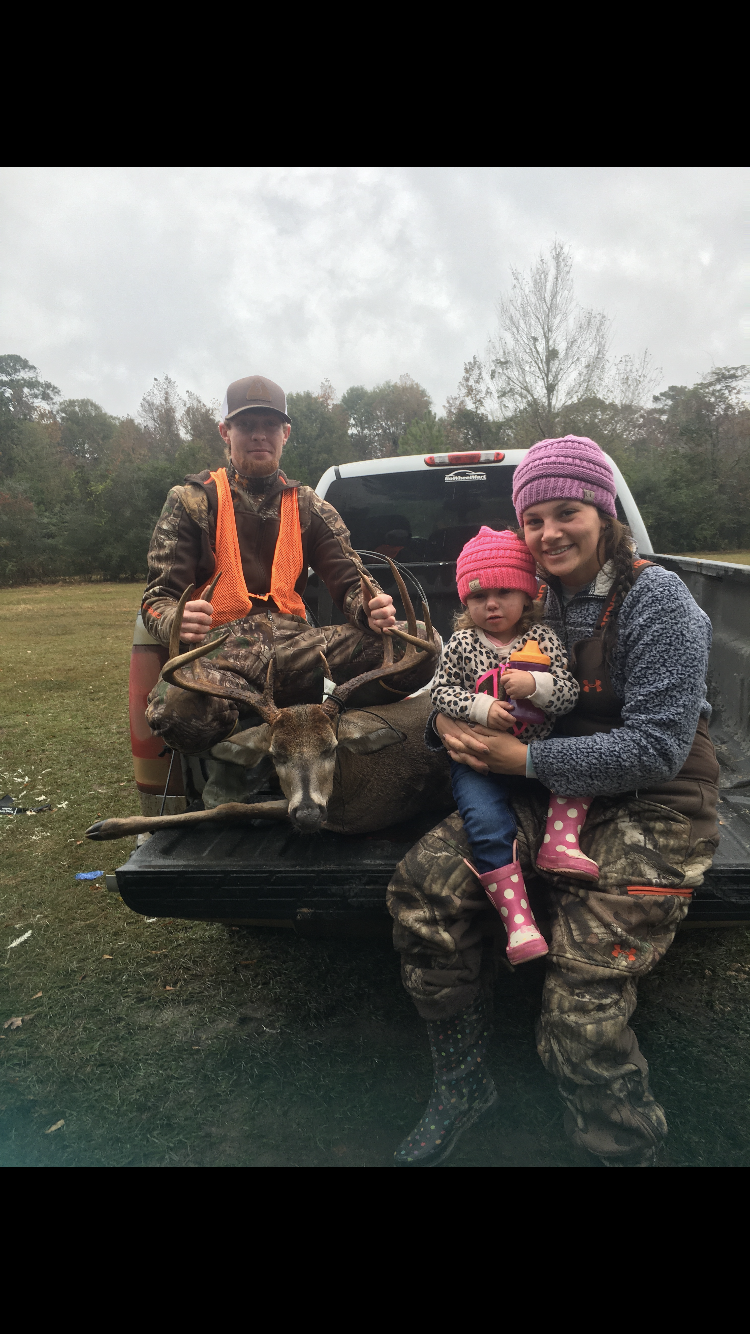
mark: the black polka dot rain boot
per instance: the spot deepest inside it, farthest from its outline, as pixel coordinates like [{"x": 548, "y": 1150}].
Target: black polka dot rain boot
[{"x": 463, "y": 1089}]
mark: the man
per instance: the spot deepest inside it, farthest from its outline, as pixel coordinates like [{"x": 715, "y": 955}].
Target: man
[{"x": 262, "y": 531}]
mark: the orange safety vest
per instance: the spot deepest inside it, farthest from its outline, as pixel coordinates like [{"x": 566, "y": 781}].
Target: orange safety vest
[{"x": 231, "y": 600}]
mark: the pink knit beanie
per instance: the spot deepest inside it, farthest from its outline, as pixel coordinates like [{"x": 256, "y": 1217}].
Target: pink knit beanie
[
  {"x": 573, "y": 468},
  {"x": 495, "y": 560}
]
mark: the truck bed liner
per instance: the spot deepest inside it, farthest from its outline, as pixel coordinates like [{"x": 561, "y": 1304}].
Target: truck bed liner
[{"x": 267, "y": 873}]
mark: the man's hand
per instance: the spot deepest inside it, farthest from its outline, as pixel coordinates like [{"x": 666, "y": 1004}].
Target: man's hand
[
  {"x": 482, "y": 749},
  {"x": 196, "y": 622},
  {"x": 518, "y": 684},
  {"x": 380, "y": 613}
]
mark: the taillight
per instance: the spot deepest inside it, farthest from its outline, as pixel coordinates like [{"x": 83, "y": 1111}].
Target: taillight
[{"x": 466, "y": 456}]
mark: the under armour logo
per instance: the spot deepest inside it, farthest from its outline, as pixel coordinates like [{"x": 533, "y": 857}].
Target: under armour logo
[{"x": 592, "y": 685}]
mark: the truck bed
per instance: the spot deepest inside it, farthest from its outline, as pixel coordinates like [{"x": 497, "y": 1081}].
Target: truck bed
[{"x": 266, "y": 874}]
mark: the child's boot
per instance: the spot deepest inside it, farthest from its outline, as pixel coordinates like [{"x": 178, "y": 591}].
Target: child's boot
[
  {"x": 560, "y": 852},
  {"x": 506, "y": 892}
]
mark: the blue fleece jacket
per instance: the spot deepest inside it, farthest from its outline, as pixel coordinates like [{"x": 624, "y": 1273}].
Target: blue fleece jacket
[{"x": 658, "y": 670}]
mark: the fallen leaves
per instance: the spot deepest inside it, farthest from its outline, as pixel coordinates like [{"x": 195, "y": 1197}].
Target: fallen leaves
[
  {"x": 17, "y": 1020},
  {"x": 36, "y": 995},
  {"x": 57, "y": 1126},
  {"x": 108, "y": 956},
  {"x": 19, "y": 940}
]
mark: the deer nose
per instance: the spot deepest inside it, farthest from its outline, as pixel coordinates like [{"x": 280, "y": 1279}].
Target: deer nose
[{"x": 307, "y": 816}]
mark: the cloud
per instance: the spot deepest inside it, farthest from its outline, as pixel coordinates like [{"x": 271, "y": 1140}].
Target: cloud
[{"x": 115, "y": 275}]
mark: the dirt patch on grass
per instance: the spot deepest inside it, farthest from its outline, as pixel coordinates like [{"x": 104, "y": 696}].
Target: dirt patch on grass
[{"x": 195, "y": 1044}]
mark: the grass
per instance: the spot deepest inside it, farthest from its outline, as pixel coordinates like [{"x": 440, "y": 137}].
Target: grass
[
  {"x": 199, "y": 1045},
  {"x": 731, "y": 557}
]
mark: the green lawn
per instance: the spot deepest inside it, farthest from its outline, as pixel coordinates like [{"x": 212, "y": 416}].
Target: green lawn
[
  {"x": 732, "y": 557},
  {"x": 198, "y": 1045}
]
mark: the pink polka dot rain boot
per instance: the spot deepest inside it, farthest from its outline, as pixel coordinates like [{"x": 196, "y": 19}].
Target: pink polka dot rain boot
[
  {"x": 560, "y": 852},
  {"x": 506, "y": 892}
]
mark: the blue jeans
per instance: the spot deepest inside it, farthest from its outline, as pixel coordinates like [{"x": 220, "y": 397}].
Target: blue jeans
[{"x": 483, "y": 801}]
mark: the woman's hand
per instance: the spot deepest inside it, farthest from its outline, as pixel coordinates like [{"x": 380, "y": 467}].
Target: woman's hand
[
  {"x": 482, "y": 749},
  {"x": 518, "y": 684},
  {"x": 461, "y": 743},
  {"x": 196, "y": 621},
  {"x": 380, "y": 613}
]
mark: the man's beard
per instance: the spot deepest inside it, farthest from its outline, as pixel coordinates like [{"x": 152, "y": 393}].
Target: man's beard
[{"x": 256, "y": 467}]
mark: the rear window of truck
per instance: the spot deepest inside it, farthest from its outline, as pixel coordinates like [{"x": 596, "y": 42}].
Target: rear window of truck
[{"x": 424, "y": 516}]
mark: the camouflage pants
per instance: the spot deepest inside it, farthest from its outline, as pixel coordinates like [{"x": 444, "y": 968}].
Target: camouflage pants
[
  {"x": 601, "y": 942},
  {"x": 192, "y": 723}
]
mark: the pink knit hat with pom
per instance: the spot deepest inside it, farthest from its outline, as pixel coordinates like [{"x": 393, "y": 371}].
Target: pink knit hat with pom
[
  {"x": 495, "y": 560},
  {"x": 571, "y": 468}
]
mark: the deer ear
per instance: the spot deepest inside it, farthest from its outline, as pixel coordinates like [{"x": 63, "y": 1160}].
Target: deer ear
[
  {"x": 364, "y": 734},
  {"x": 245, "y": 748}
]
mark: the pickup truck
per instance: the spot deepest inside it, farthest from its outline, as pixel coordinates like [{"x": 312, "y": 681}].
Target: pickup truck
[{"x": 419, "y": 510}]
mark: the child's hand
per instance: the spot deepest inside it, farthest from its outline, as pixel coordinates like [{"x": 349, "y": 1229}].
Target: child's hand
[
  {"x": 500, "y": 718},
  {"x": 517, "y": 684}
]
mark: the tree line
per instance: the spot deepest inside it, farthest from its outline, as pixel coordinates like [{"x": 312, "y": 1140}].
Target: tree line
[{"x": 80, "y": 489}]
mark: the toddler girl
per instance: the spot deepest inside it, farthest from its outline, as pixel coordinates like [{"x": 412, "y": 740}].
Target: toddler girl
[{"x": 496, "y": 583}]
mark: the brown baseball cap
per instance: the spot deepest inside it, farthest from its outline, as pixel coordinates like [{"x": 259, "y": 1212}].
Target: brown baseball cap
[{"x": 255, "y": 391}]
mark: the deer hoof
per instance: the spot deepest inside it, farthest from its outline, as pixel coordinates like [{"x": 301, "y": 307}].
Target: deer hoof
[{"x": 95, "y": 831}]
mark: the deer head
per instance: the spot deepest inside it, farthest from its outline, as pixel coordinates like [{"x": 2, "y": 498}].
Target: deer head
[{"x": 301, "y": 740}]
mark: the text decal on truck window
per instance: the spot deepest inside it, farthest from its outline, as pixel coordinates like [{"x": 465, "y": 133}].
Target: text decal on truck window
[{"x": 465, "y": 475}]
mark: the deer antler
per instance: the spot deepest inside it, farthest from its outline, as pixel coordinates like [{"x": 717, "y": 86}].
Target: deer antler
[
  {"x": 172, "y": 670},
  {"x": 174, "y": 634},
  {"x": 414, "y": 645}
]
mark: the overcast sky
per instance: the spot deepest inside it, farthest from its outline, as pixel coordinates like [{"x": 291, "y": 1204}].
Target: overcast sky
[{"x": 114, "y": 275}]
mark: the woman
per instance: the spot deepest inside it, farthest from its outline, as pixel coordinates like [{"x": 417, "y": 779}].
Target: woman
[{"x": 637, "y": 742}]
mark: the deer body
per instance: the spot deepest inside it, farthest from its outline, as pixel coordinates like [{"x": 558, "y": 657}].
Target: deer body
[
  {"x": 350, "y": 771},
  {"x": 376, "y": 772}
]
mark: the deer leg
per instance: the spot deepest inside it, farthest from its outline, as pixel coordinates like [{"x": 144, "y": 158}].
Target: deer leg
[{"x": 234, "y": 812}]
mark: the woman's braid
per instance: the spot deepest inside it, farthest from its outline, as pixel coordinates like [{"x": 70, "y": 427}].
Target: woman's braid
[{"x": 618, "y": 547}]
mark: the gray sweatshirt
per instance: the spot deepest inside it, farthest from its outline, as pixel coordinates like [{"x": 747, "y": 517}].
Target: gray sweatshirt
[{"x": 658, "y": 670}]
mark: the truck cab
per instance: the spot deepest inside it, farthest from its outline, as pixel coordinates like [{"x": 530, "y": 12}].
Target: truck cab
[
  {"x": 419, "y": 510},
  {"x": 422, "y": 509}
]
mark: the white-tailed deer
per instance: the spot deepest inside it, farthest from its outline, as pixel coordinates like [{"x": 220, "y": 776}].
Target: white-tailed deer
[{"x": 316, "y": 748}]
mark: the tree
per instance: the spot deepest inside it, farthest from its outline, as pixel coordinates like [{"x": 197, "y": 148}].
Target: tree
[
  {"x": 22, "y": 390},
  {"x": 379, "y": 417},
  {"x": 547, "y": 372},
  {"x": 23, "y": 396},
  {"x": 320, "y": 435},
  {"x": 86, "y": 429},
  {"x": 161, "y": 411},
  {"x": 425, "y": 435},
  {"x": 688, "y": 464},
  {"x": 468, "y": 424},
  {"x": 549, "y": 351}
]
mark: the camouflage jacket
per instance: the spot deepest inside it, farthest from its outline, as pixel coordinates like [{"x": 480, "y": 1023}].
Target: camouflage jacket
[{"x": 182, "y": 547}]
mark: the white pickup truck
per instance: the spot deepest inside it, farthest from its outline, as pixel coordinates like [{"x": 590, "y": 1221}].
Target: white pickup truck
[{"x": 419, "y": 510}]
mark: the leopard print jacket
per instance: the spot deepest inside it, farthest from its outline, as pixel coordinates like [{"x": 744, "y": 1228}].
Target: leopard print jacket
[{"x": 469, "y": 653}]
